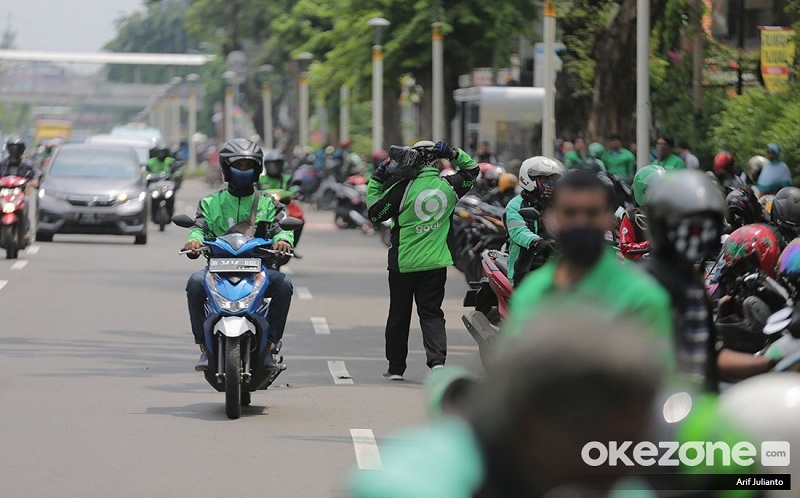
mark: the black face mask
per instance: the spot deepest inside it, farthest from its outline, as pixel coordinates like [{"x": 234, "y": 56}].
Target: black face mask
[{"x": 582, "y": 245}]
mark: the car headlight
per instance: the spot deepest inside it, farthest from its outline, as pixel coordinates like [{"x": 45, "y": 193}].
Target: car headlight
[
  {"x": 122, "y": 198},
  {"x": 154, "y": 194},
  {"x": 168, "y": 194},
  {"x": 9, "y": 207},
  {"x": 41, "y": 193},
  {"x": 241, "y": 304},
  {"x": 142, "y": 195}
]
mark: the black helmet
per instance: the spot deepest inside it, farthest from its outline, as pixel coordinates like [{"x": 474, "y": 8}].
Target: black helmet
[
  {"x": 785, "y": 211},
  {"x": 275, "y": 159},
  {"x": 15, "y": 146},
  {"x": 743, "y": 208},
  {"x": 593, "y": 165},
  {"x": 681, "y": 195},
  {"x": 241, "y": 148}
]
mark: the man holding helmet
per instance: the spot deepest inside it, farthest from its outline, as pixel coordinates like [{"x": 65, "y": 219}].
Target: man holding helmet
[
  {"x": 226, "y": 211},
  {"x": 528, "y": 247},
  {"x": 420, "y": 205}
]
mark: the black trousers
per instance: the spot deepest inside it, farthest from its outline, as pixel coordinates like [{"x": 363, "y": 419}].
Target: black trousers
[{"x": 426, "y": 288}]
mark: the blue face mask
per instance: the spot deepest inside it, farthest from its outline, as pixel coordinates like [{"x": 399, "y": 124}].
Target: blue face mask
[{"x": 241, "y": 179}]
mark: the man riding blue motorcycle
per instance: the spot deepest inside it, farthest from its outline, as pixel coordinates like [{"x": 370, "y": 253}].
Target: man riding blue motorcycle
[{"x": 232, "y": 211}]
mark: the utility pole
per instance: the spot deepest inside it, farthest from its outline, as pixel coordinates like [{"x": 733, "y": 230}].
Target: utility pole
[
  {"x": 549, "y": 111},
  {"x": 437, "y": 131},
  {"x": 642, "y": 83}
]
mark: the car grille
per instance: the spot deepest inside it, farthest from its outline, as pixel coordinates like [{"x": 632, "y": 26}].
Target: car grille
[{"x": 91, "y": 200}]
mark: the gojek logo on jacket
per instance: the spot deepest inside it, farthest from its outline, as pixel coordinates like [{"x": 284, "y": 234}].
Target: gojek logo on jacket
[{"x": 430, "y": 205}]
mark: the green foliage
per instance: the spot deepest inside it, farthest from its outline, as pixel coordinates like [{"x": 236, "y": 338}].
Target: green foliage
[
  {"x": 749, "y": 122},
  {"x": 159, "y": 29}
]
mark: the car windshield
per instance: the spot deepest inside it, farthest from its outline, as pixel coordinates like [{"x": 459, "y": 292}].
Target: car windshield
[{"x": 94, "y": 163}]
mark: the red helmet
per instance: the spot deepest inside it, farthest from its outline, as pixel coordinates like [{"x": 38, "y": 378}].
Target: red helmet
[
  {"x": 723, "y": 161},
  {"x": 754, "y": 245}
]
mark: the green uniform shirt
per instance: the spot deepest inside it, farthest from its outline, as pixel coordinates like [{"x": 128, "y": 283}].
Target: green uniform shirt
[
  {"x": 613, "y": 286},
  {"x": 622, "y": 163},
  {"x": 218, "y": 212},
  {"x": 573, "y": 160},
  {"x": 156, "y": 166},
  {"x": 671, "y": 162},
  {"x": 420, "y": 210},
  {"x": 520, "y": 236}
]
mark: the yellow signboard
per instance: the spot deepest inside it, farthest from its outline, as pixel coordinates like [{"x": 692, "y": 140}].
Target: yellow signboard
[{"x": 777, "y": 57}]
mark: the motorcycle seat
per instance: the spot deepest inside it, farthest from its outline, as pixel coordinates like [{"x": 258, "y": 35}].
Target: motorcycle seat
[{"x": 502, "y": 264}]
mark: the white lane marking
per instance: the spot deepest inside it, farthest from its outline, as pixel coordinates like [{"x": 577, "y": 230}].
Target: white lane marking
[
  {"x": 287, "y": 271},
  {"x": 339, "y": 372},
  {"x": 320, "y": 325},
  {"x": 367, "y": 454},
  {"x": 33, "y": 249},
  {"x": 303, "y": 293},
  {"x": 18, "y": 265},
  {"x": 3, "y": 283}
]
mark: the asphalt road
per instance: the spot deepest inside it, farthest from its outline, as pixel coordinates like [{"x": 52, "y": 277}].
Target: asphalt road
[{"x": 98, "y": 396}]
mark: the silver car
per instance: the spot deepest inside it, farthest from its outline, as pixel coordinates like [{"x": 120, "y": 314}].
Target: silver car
[{"x": 93, "y": 189}]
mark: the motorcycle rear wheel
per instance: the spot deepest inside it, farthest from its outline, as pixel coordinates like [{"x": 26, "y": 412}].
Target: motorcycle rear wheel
[
  {"x": 233, "y": 377},
  {"x": 9, "y": 237}
]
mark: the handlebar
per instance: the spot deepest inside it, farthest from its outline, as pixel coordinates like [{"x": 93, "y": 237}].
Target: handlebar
[{"x": 205, "y": 249}]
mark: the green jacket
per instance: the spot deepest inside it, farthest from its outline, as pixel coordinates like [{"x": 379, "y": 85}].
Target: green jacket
[
  {"x": 520, "y": 235},
  {"x": 573, "y": 160},
  {"x": 218, "y": 212},
  {"x": 420, "y": 211},
  {"x": 671, "y": 162},
  {"x": 156, "y": 166},
  {"x": 622, "y": 163},
  {"x": 266, "y": 182},
  {"x": 613, "y": 286}
]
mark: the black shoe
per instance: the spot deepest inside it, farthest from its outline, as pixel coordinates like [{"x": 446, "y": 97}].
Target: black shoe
[
  {"x": 202, "y": 362},
  {"x": 269, "y": 360},
  {"x": 437, "y": 364},
  {"x": 391, "y": 376}
]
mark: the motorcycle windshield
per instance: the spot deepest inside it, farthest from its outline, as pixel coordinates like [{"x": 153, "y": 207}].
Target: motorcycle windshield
[{"x": 235, "y": 244}]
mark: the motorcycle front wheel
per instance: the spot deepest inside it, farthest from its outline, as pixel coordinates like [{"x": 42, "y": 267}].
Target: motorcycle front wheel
[{"x": 233, "y": 377}]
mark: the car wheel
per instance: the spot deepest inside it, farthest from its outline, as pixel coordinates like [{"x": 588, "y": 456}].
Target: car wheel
[{"x": 140, "y": 240}]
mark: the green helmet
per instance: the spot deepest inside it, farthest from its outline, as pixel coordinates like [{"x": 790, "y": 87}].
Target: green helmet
[
  {"x": 643, "y": 179},
  {"x": 596, "y": 150}
]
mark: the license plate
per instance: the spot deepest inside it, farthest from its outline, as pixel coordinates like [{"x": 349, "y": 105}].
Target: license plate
[
  {"x": 241, "y": 265},
  {"x": 92, "y": 218}
]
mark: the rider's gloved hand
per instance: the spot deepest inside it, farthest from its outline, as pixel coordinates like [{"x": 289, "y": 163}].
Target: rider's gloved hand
[
  {"x": 282, "y": 247},
  {"x": 381, "y": 173},
  {"x": 193, "y": 246},
  {"x": 783, "y": 347},
  {"x": 542, "y": 247},
  {"x": 444, "y": 151}
]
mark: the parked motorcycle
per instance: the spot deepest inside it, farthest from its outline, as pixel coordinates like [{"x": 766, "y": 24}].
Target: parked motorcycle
[
  {"x": 12, "y": 223},
  {"x": 161, "y": 187},
  {"x": 236, "y": 325},
  {"x": 477, "y": 226}
]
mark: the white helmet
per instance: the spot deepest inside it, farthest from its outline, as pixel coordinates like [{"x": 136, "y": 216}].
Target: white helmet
[
  {"x": 755, "y": 164},
  {"x": 767, "y": 408},
  {"x": 538, "y": 166}
]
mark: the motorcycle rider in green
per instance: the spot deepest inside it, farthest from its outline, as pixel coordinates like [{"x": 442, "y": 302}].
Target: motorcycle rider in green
[
  {"x": 420, "y": 210},
  {"x": 528, "y": 247},
  {"x": 161, "y": 162},
  {"x": 274, "y": 177},
  {"x": 224, "y": 212}
]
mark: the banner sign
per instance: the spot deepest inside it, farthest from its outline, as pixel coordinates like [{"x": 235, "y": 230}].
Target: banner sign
[{"x": 777, "y": 57}]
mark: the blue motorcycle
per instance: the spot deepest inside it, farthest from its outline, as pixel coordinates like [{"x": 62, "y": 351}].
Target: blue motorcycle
[{"x": 236, "y": 325}]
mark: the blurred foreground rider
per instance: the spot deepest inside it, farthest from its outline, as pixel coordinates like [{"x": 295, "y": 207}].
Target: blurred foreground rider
[
  {"x": 227, "y": 211},
  {"x": 420, "y": 205}
]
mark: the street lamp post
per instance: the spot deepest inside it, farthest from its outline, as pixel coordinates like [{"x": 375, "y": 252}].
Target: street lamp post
[
  {"x": 191, "y": 79},
  {"x": 228, "y": 113},
  {"x": 303, "y": 60},
  {"x": 642, "y": 83},
  {"x": 266, "y": 102},
  {"x": 438, "y": 76},
  {"x": 175, "y": 111},
  {"x": 344, "y": 113},
  {"x": 549, "y": 114},
  {"x": 377, "y": 82}
]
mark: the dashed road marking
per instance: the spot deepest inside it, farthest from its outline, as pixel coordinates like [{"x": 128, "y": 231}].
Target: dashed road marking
[
  {"x": 18, "y": 265},
  {"x": 3, "y": 283},
  {"x": 320, "y": 325},
  {"x": 367, "y": 454},
  {"x": 303, "y": 293},
  {"x": 339, "y": 372},
  {"x": 33, "y": 249}
]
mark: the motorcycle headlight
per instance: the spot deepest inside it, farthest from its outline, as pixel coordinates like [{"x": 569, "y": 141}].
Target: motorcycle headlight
[
  {"x": 155, "y": 194},
  {"x": 142, "y": 195},
  {"x": 168, "y": 194},
  {"x": 41, "y": 193},
  {"x": 9, "y": 207},
  {"x": 238, "y": 305}
]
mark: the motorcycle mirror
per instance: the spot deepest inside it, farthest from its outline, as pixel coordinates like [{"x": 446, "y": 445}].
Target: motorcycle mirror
[
  {"x": 183, "y": 221},
  {"x": 530, "y": 214},
  {"x": 290, "y": 223}
]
